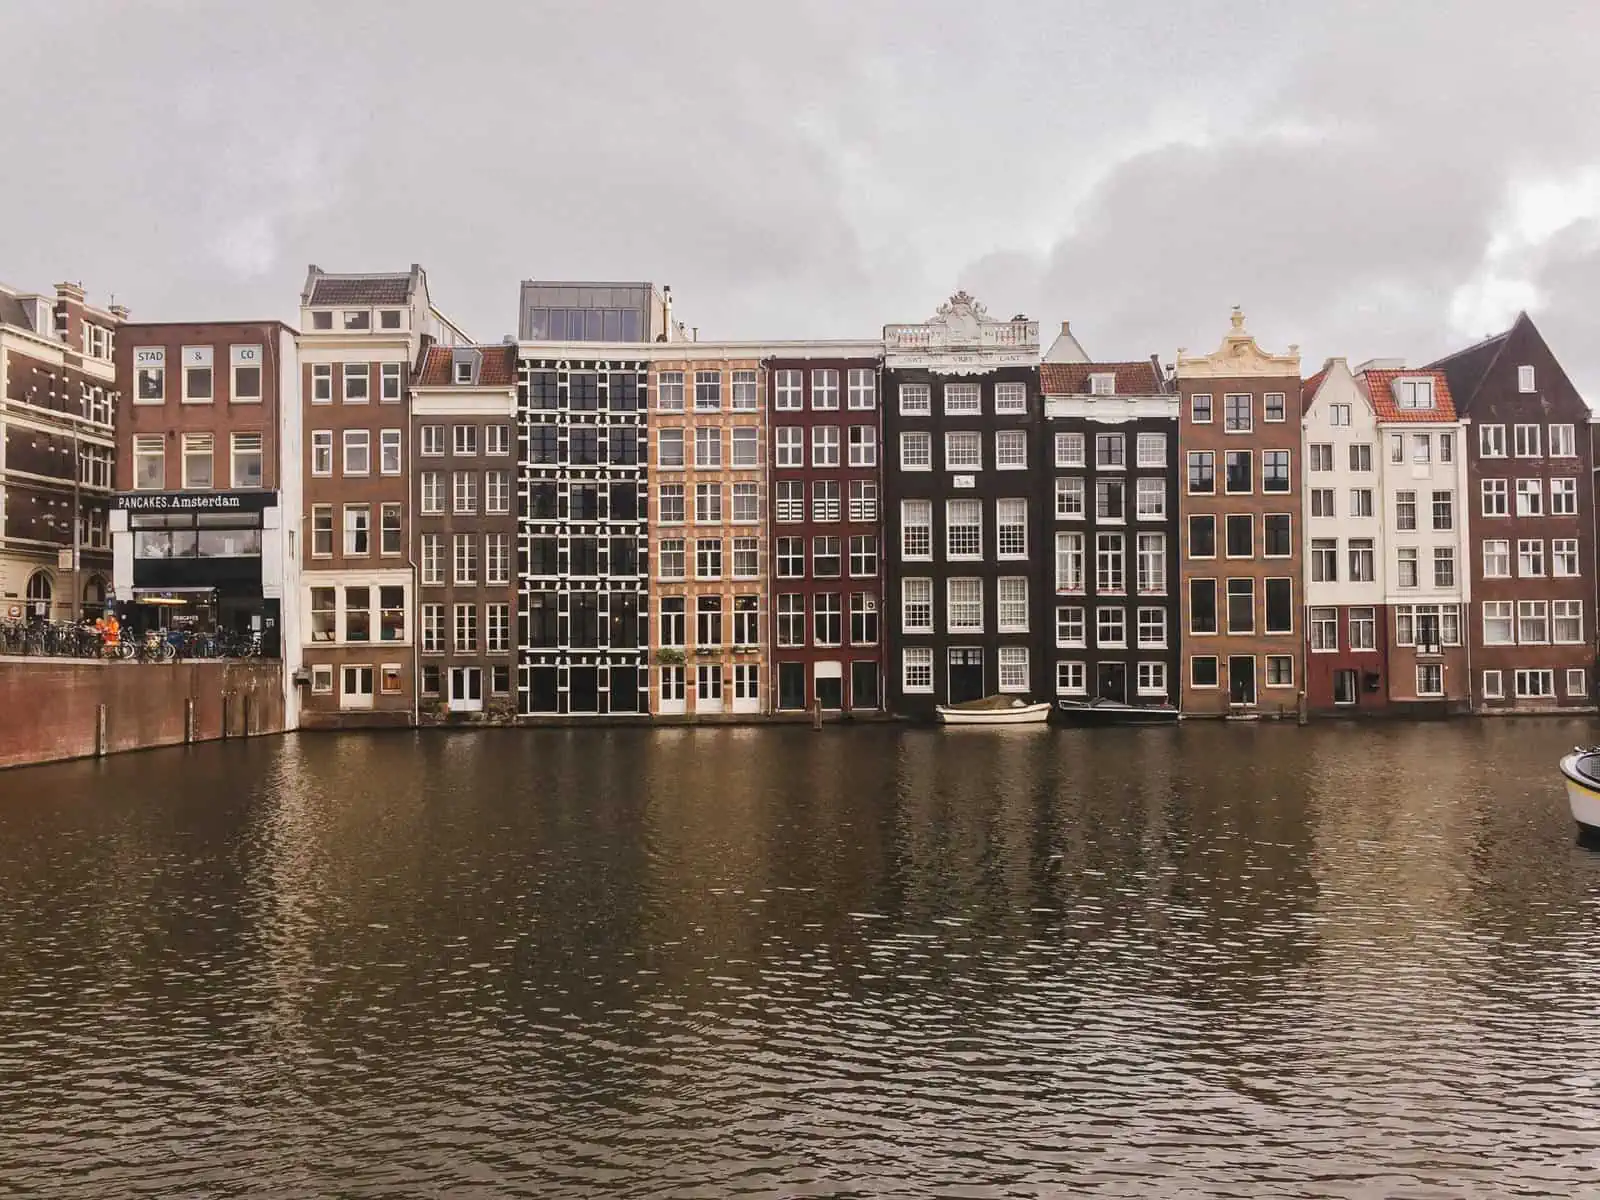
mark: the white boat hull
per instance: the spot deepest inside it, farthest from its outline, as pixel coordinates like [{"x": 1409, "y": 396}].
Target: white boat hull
[
  {"x": 1025, "y": 714},
  {"x": 1582, "y": 797}
]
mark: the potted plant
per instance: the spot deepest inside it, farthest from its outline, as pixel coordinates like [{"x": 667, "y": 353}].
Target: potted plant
[{"x": 669, "y": 657}]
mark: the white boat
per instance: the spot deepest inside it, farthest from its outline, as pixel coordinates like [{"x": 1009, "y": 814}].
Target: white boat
[
  {"x": 994, "y": 710},
  {"x": 1581, "y": 769}
]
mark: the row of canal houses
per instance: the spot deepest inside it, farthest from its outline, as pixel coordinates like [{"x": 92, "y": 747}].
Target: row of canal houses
[{"x": 609, "y": 517}]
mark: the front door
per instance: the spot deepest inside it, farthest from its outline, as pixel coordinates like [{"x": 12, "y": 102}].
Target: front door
[
  {"x": 1242, "y": 679},
  {"x": 966, "y": 675},
  {"x": 1111, "y": 682},
  {"x": 672, "y": 689},
  {"x": 1344, "y": 687},
  {"x": 466, "y": 689},
  {"x": 355, "y": 687},
  {"x": 863, "y": 685},
  {"x": 746, "y": 688},
  {"x": 791, "y": 685}
]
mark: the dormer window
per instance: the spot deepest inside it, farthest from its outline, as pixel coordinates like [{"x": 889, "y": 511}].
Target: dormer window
[
  {"x": 1525, "y": 378},
  {"x": 1102, "y": 384},
  {"x": 358, "y": 319},
  {"x": 322, "y": 320},
  {"x": 389, "y": 318},
  {"x": 1414, "y": 393},
  {"x": 464, "y": 371}
]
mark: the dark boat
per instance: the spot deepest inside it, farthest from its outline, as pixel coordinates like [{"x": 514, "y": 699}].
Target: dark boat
[{"x": 1115, "y": 712}]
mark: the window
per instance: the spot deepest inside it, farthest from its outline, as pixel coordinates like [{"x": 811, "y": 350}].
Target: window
[
  {"x": 746, "y": 557},
  {"x": 1109, "y": 565},
  {"x": 1069, "y": 497},
  {"x": 357, "y": 529},
  {"x": 1444, "y": 510},
  {"x": 1407, "y": 574},
  {"x": 863, "y": 389},
  {"x": 1151, "y": 499},
  {"x": 1202, "y": 606},
  {"x": 1564, "y": 557},
  {"x": 1363, "y": 629},
  {"x": 1276, "y": 535},
  {"x": 197, "y": 461},
  {"x": 707, "y": 391},
  {"x": 827, "y": 557},
  {"x": 1151, "y": 563},
  {"x": 1491, "y": 441},
  {"x": 670, "y": 558},
  {"x": 1397, "y": 447},
  {"x": 1151, "y": 450},
  {"x": 746, "y": 621},
  {"x": 246, "y": 362},
  {"x": 1525, "y": 378},
  {"x": 1108, "y": 500},
  {"x": 1152, "y": 628},
  {"x": 1494, "y": 497},
  {"x": 1493, "y": 688},
  {"x": 1533, "y": 621},
  {"x": 150, "y": 376},
  {"x": 708, "y": 558},
  {"x": 1240, "y": 475},
  {"x": 1496, "y": 558},
  {"x": 1011, "y": 528},
  {"x": 1566, "y": 621},
  {"x": 915, "y": 399},
  {"x": 496, "y": 558},
  {"x": 963, "y": 450},
  {"x": 863, "y": 446},
  {"x": 1421, "y": 448},
  {"x": 357, "y": 381},
  {"x": 389, "y": 382},
  {"x": 1152, "y": 679},
  {"x": 1069, "y": 450},
  {"x": 708, "y": 504},
  {"x": 1530, "y": 498},
  {"x": 1405, "y": 510},
  {"x": 433, "y": 559},
  {"x": 464, "y": 486},
  {"x": 1072, "y": 679},
  {"x": 1236, "y": 413},
  {"x": 357, "y": 452},
  {"x": 1273, "y": 402},
  {"x": 1322, "y": 503},
  {"x": 1274, "y": 470},
  {"x": 791, "y": 445},
  {"x": 708, "y": 621},
  {"x": 1070, "y": 627},
  {"x": 962, "y": 398},
  {"x": 432, "y": 626},
  {"x": 497, "y": 492},
  {"x": 1536, "y": 685},
  {"x": 916, "y": 674},
  {"x": 1497, "y": 623},
  {"x": 963, "y": 529},
  {"x": 1319, "y": 457},
  {"x": 1202, "y": 472},
  {"x": 1280, "y": 671},
  {"x": 916, "y": 605},
  {"x": 1363, "y": 561},
  {"x": 1010, "y": 398},
  {"x": 1240, "y": 535},
  {"x": 1011, "y": 450},
  {"x": 863, "y": 500},
  {"x": 1361, "y": 457},
  {"x": 466, "y": 628},
  {"x": 321, "y": 531},
  {"x": 1110, "y": 451},
  {"x": 791, "y": 619},
  {"x": 1526, "y": 440},
  {"x": 1324, "y": 560},
  {"x": 1069, "y": 562},
  {"x": 1324, "y": 630},
  {"x": 825, "y": 389},
  {"x": 389, "y": 451},
  {"x": 389, "y": 529},
  {"x": 1200, "y": 409},
  {"x": 1414, "y": 393},
  {"x": 1564, "y": 497},
  {"x": 669, "y": 391},
  {"x": 1430, "y": 679},
  {"x": 788, "y": 390},
  {"x": 1280, "y": 605},
  {"x": 791, "y": 501},
  {"x": 864, "y": 555},
  {"x": 1241, "y": 606},
  {"x": 670, "y": 504},
  {"x": 964, "y": 605},
  {"x": 466, "y": 560},
  {"x": 1562, "y": 442},
  {"x": 322, "y": 452},
  {"x": 746, "y": 503},
  {"x": 1360, "y": 502},
  {"x": 1013, "y": 668},
  {"x": 826, "y": 619},
  {"x": 1011, "y": 603},
  {"x": 1202, "y": 537},
  {"x": 916, "y": 529},
  {"x": 916, "y": 451},
  {"x": 1444, "y": 567},
  {"x": 197, "y": 387},
  {"x": 1577, "y": 685},
  {"x": 825, "y": 446}
]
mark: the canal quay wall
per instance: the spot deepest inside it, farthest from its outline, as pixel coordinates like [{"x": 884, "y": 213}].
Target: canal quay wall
[{"x": 64, "y": 708}]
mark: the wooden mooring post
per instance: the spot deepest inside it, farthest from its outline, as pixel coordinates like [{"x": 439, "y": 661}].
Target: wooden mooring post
[
  {"x": 99, "y": 730},
  {"x": 188, "y": 720}
]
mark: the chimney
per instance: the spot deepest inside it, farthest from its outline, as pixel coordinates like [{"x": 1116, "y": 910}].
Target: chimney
[
  {"x": 70, "y": 291},
  {"x": 1066, "y": 328},
  {"x": 696, "y": 337},
  {"x": 119, "y": 311}
]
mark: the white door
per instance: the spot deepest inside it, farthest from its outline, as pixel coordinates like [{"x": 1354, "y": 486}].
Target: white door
[
  {"x": 355, "y": 687},
  {"x": 708, "y": 688},
  {"x": 746, "y": 688},
  {"x": 466, "y": 689},
  {"x": 671, "y": 694}
]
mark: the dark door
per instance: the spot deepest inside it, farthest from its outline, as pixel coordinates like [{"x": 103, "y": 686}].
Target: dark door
[
  {"x": 585, "y": 694},
  {"x": 863, "y": 685},
  {"x": 966, "y": 675},
  {"x": 1242, "y": 679},
  {"x": 1111, "y": 682},
  {"x": 791, "y": 685},
  {"x": 830, "y": 691},
  {"x": 542, "y": 689},
  {"x": 624, "y": 689}
]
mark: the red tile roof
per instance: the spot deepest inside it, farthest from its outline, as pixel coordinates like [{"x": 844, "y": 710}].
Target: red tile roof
[
  {"x": 499, "y": 367},
  {"x": 1308, "y": 389},
  {"x": 1379, "y": 386},
  {"x": 1072, "y": 379}
]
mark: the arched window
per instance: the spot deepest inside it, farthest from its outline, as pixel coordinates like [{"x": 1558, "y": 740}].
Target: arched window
[
  {"x": 94, "y": 596},
  {"x": 40, "y": 590}
]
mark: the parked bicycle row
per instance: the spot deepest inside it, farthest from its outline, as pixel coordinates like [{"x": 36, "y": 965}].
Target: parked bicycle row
[{"x": 101, "y": 639}]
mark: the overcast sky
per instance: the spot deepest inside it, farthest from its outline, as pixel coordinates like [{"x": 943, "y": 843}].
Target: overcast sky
[{"x": 1394, "y": 178}]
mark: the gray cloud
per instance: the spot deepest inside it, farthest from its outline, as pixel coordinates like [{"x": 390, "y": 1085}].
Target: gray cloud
[{"x": 1365, "y": 178}]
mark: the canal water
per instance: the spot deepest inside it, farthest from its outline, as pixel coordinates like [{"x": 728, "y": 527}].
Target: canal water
[{"x": 1208, "y": 961}]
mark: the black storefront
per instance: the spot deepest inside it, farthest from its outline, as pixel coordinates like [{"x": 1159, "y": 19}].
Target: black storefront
[{"x": 197, "y": 564}]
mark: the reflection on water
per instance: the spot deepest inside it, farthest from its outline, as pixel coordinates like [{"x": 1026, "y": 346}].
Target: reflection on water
[{"x": 1207, "y": 961}]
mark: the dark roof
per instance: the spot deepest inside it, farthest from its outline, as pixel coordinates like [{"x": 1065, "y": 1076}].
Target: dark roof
[
  {"x": 499, "y": 368},
  {"x": 1072, "y": 379},
  {"x": 1466, "y": 368},
  {"x": 361, "y": 289},
  {"x": 1308, "y": 388},
  {"x": 1379, "y": 387},
  {"x": 13, "y": 312}
]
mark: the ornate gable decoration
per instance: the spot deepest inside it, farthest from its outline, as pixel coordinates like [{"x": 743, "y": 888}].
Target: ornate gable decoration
[
  {"x": 961, "y": 338},
  {"x": 1238, "y": 356}
]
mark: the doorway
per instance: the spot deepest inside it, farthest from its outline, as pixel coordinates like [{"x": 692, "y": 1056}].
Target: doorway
[
  {"x": 583, "y": 695},
  {"x": 1344, "y": 687},
  {"x": 966, "y": 675},
  {"x": 791, "y": 685},
  {"x": 466, "y": 689},
  {"x": 1241, "y": 679},
  {"x": 864, "y": 685},
  {"x": 1111, "y": 682}
]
